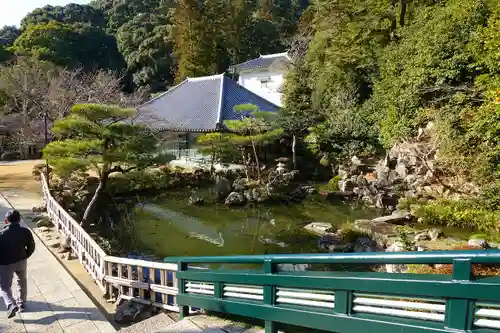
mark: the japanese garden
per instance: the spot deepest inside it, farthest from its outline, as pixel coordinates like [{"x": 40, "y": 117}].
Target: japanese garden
[{"x": 186, "y": 127}]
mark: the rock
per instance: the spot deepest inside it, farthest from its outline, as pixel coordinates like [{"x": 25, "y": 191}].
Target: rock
[
  {"x": 40, "y": 209},
  {"x": 396, "y": 268},
  {"x": 235, "y": 199},
  {"x": 309, "y": 189},
  {"x": 195, "y": 200},
  {"x": 421, "y": 248},
  {"x": 222, "y": 187},
  {"x": 356, "y": 161},
  {"x": 256, "y": 195},
  {"x": 43, "y": 229},
  {"x": 359, "y": 181},
  {"x": 338, "y": 196},
  {"x": 478, "y": 242},
  {"x": 423, "y": 236},
  {"x": 335, "y": 243},
  {"x": 65, "y": 245},
  {"x": 410, "y": 194},
  {"x": 390, "y": 162},
  {"x": 386, "y": 201},
  {"x": 240, "y": 184},
  {"x": 320, "y": 228},
  {"x": 67, "y": 256},
  {"x": 401, "y": 170},
  {"x": 45, "y": 222},
  {"x": 55, "y": 245},
  {"x": 410, "y": 179},
  {"x": 346, "y": 186},
  {"x": 129, "y": 313},
  {"x": 365, "y": 244},
  {"x": 380, "y": 232},
  {"x": 397, "y": 217},
  {"x": 343, "y": 172},
  {"x": 435, "y": 234}
]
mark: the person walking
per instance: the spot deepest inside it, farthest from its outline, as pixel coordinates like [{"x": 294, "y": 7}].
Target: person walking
[{"x": 16, "y": 246}]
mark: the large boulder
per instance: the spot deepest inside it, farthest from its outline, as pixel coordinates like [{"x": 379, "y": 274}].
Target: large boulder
[
  {"x": 478, "y": 242},
  {"x": 397, "y": 217},
  {"x": 335, "y": 243},
  {"x": 222, "y": 187},
  {"x": 43, "y": 221},
  {"x": 381, "y": 232},
  {"x": 195, "y": 200},
  {"x": 366, "y": 244},
  {"x": 129, "y": 313},
  {"x": 396, "y": 268},
  {"x": 235, "y": 199},
  {"x": 320, "y": 228}
]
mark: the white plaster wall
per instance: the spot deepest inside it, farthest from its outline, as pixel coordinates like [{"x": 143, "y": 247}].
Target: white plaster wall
[{"x": 250, "y": 80}]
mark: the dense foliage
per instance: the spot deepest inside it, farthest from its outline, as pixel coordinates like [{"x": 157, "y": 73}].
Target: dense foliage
[
  {"x": 370, "y": 73},
  {"x": 154, "y": 41}
]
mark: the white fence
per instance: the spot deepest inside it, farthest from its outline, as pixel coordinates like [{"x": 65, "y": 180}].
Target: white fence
[{"x": 141, "y": 281}]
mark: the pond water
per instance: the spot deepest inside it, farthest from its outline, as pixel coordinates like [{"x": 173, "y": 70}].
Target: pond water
[{"x": 168, "y": 226}]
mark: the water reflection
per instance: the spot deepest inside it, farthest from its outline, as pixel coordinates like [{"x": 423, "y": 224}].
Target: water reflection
[{"x": 169, "y": 226}]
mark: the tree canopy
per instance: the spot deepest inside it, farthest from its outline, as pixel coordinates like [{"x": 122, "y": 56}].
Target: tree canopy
[
  {"x": 69, "y": 46},
  {"x": 368, "y": 74}
]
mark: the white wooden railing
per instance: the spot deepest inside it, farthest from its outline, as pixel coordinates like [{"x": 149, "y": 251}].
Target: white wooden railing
[{"x": 140, "y": 281}]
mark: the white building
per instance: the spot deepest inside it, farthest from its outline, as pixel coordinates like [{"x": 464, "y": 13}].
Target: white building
[{"x": 264, "y": 76}]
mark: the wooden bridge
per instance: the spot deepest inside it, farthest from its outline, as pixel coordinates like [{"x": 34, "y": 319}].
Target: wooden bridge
[{"x": 343, "y": 301}]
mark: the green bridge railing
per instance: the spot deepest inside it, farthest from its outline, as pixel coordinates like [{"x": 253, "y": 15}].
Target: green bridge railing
[{"x": 347, "y": 301}]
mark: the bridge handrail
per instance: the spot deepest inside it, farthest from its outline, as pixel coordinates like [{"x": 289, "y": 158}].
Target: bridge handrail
[
  {"x": 346, "y": 302},
  {"x": 431, "y": 257}
]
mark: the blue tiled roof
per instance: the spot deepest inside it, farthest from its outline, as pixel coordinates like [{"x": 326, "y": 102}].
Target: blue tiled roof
[
  {"x": 199, "y": 105},
  {"x": 264, "y": 61}
]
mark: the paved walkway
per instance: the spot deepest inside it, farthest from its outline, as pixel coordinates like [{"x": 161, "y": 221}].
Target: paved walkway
[{"x": 56, "y": 303}]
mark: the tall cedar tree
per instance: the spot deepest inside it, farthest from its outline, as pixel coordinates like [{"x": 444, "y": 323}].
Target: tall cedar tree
[{"x": 192, "y": 44}]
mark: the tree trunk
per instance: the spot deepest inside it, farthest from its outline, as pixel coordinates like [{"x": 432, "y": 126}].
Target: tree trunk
[
  {"x": 402, "y": 14},
  {"x": 257, "y": 163},
  {"x": 89, "y": 211},
  {"x": 245, "y": 163},
  {"x": 294, "y": 152}
]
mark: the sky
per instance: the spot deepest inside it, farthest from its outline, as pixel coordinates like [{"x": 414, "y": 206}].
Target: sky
[{"x": 13, "y": 11}]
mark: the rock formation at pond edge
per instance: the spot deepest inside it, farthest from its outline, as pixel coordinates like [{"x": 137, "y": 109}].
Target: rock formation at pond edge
[{"x": 409, "y": 170}]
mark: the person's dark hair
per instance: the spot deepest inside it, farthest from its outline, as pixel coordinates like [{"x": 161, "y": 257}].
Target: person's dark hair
[{"x": 13, "y": 216}]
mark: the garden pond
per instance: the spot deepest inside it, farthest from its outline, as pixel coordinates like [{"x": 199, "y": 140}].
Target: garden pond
[{"x": 166, "y": 225}]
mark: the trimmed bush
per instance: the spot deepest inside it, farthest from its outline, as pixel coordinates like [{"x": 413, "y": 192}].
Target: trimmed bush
[{"x": 11, "y": 156}]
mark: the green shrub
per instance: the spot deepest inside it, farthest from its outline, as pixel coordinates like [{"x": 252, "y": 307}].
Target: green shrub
[
  {"x": 11, "y": 156},
  {"x": 333, "y": 184},
  {"x": 459, "y": 214}
]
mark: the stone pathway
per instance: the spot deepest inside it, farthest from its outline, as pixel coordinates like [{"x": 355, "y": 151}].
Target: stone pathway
[{"x": 56, "y": 303}]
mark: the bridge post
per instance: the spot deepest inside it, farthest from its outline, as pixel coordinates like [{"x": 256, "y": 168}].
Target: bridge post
[
  {"x": 458, "y": 315},
  {"x": 183, "y": 309},
  {"x": 343, "y": 302},
  {"x": 269, "y": 295}
]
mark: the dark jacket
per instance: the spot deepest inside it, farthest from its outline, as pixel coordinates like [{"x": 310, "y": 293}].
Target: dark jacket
[{"x": 16, "y": 244}]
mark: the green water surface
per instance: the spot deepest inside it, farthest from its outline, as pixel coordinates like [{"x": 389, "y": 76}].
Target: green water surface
[{"x": 168, "y": 226}]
